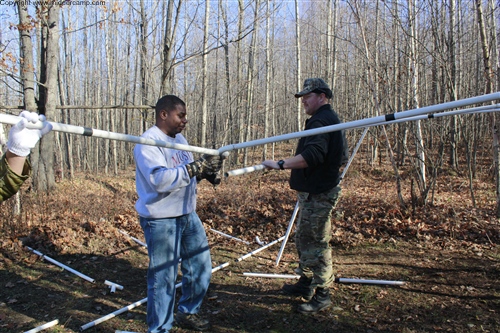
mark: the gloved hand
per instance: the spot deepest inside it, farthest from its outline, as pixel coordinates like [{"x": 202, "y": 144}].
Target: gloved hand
[
  {"x": 204, "y": 166},
  {"x": 21, "y": 139},
  {"x": 214, "y": 178}
]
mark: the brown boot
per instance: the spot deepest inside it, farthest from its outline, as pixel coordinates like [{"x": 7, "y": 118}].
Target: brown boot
[
  {"x": 320, "y": 301},
  {"x": 302, "y": 288}
]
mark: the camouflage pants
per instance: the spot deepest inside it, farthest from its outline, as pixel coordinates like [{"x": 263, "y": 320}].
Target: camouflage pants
[{"x": 313, "y": 234}]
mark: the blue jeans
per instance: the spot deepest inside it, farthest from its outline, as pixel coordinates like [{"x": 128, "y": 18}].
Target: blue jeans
[{"x": 168, "y": 240}]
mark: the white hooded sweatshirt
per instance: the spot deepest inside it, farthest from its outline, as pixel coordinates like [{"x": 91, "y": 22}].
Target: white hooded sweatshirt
[{"x": 161, "y": 178}]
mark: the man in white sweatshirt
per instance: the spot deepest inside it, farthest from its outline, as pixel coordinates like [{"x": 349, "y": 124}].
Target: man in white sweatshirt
[{"x": 166, "y": 182}]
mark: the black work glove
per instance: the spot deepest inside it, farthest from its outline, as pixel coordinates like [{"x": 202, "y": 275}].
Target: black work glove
[
  {"x": 204, "y": 166},
  {"x": 214, "y": 178}
]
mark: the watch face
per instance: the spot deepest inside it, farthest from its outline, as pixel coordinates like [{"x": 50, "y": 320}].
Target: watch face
[{"x": 280, "y": 163}]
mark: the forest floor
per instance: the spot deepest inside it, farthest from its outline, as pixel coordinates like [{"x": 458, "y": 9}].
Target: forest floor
[{"x": 447, "y": 254}]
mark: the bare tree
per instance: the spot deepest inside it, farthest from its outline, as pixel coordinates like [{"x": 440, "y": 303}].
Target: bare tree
[
  {"x": 204, "y": 87},
  {"x": 43, "y": 157}
]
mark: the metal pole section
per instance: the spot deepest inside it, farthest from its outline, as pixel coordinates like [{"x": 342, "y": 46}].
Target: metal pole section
[
  {"x": 338, "y": 280},
  {"x": 354, "y": 151},
  {"x": 361, "y": 281},
  {"x": 55, "y": 262},
  {"x": 366, "y": 122},
  {"x": 488, "y": 108},
  {"x": 288, "y": 231},
  {"x": 229, "y": 236},
  {"x": 44, "y": 326},
  {"x": 86, "y": 131}
]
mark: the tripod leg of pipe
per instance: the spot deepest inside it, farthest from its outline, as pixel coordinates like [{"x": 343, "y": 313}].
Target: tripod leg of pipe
[{"x": 288, "y": 231}]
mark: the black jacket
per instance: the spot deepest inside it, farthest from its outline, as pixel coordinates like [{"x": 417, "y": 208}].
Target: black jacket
[{"x": 323, "y": 154}]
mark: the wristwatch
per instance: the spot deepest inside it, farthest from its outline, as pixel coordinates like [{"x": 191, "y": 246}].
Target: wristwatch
[{"x": 281, "y": 164}]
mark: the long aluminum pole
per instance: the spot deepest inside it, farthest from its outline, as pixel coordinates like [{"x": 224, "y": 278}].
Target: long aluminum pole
[
  {"x": 86, "y": 131},
  {"x": 366, "y": 122},
  {"x": 488, "y": 108}
]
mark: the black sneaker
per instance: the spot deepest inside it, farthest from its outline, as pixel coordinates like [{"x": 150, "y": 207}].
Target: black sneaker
[{"x": 192, "y": 321}]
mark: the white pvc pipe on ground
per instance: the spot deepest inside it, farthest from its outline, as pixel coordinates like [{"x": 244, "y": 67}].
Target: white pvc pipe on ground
[
  {"x": 44, "y": 326},
  {"x": 138, "y": 241},
  {"x": 144, "y": 300},
  {"x": 113, "y": 314},
  {"x": 273, "y": 276},
  {"x": 338, "y": 280},
  {"x": 113, "y": 286},
  {"x": 229, "y": 236},
  {"x": 55, "y": 262}
]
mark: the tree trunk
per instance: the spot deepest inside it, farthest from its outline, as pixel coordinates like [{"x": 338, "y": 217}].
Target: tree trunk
[
  {"x": 488, "y": 89},
  {"x": 267, "y": 105},
  {"x": 43, "y": 164},
  {"x": 204, "y": 89},
  {"x": 250, "y": 76}
]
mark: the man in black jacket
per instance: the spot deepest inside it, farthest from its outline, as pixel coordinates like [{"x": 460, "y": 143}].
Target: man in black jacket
[{"x": 315, "y": 177}]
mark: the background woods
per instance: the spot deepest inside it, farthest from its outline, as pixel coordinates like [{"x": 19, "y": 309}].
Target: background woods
[{"x": 237, "y": 65}]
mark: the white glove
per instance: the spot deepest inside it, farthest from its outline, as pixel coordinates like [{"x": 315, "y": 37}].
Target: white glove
[{"x": 22, "y": 139}]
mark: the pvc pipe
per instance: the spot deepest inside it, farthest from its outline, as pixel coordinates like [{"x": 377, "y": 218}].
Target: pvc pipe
[
  {"x": 288, "y": 231},
  {"x": 69, "y": 269},
  {"x": 258, "y": 241},
  {"x": 229, "y": 236},
  {"x": 367, "y": 121},
  {"x": 134, "y": 239},
  {"x": 113, "y": 314},
  {"x": 113, "y": 286},
  {"x": 44, "y": 326},
  {"x": 86, "y": 131},
  {"x": 338, "y": 280},
  {"x": 361, "y": 281},
  {"x": 274, "y": 276},
  {"x": 242, "y": 171}
]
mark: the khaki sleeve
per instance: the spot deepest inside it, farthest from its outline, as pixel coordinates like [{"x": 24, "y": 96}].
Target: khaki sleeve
[{"x": 10, "y": 182}]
